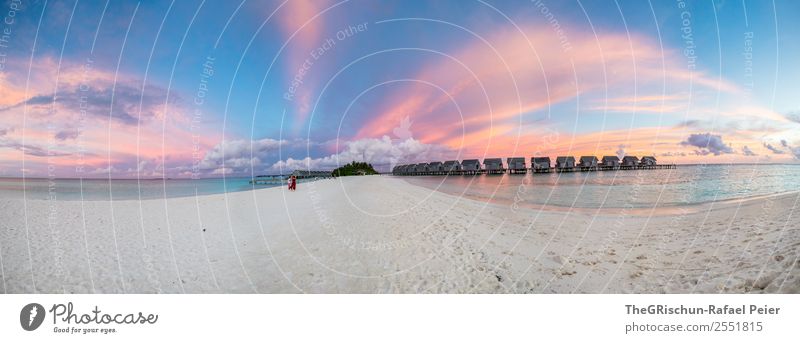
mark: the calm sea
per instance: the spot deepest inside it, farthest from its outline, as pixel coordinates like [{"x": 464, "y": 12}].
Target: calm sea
[
  {"x": 688, "y": 184},
  {"x": 119, "y": 189}
]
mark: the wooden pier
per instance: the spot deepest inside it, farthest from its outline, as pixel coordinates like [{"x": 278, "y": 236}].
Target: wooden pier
[
  {"x": 299, "y": 174},
  {"x": 269, "y": 180}
]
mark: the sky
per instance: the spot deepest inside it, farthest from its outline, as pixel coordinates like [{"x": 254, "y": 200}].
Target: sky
[{"x": 192, "y": 89}]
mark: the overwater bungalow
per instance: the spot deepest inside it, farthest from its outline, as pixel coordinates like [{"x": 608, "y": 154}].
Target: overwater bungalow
[
  {"x": 647, "y": 161},
  {"x": 494, "y": 165},
  {"x": 540, "y": 164},
  {"x": 471, "y": 166},
  {"x": 610, "y": 162},
  {"x": 629, "y": 162},
  {"x": 420, "y": 168},
  {"x": 516, "y": 165},
  {"x": 588, "y": 163},
  {"x": 565, "y": 163},
  {"x": 435, "y": 168},
  {"x": 451, "y": 167}
]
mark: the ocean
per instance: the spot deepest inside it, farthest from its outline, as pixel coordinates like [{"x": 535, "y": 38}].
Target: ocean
[
  {"x": 686, "y": 185},
  {"x": 120, "y": 189}
]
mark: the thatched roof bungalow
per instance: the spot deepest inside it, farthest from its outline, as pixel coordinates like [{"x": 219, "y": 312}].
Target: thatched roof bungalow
[
  {"x": 493, "y": 165},
  {"x": 471, "y": 165},
  {"x": 648, "y": 161},
  {"x": 451, "y": 166},
  {"x": 540, "y": 163},
  {"x": 565, "y": 162},
  {"x": 630, "y": 161},
  {"x": 610, "y": 161},
  {"x": 516, "y": 164},
  {"x": 588, "y": 162}
]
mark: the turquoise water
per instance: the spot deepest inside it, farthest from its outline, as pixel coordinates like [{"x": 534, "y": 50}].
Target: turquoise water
[
  {"x": 606, "y": 189},
  {"x": 116, "y": 189},
  {"x": 688, "y": 184}
]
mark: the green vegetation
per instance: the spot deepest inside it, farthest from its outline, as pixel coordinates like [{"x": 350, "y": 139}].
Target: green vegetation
[{"x": 355, "y": 168}]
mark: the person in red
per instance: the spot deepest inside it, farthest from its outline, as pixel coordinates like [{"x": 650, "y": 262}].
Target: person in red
[{"x": 293, "y": 183}]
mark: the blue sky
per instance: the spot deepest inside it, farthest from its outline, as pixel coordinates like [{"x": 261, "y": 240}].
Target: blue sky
[{"x": 471, "y": 78}]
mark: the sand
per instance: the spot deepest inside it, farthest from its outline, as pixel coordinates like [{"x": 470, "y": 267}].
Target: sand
[{"x": 380, "y": 234}]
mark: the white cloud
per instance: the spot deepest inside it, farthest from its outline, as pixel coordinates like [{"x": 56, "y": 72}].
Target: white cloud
[
  {"x": 104, "y": 171},
  {"x": 222, "y": 171},
  {"x": 240, "y": 154},
  {"x": 621, "y": 151},
  {"x": 383, "y": 154}
]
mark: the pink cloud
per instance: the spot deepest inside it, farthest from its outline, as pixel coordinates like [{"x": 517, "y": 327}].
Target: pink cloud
[
  {"x": 302, "y": 23},
  {"x": 495, "y": 85},
  {"x": 660, "y": 103},
  {"x": 383, "y": 153},
  {"x": 79, "y": 125}
]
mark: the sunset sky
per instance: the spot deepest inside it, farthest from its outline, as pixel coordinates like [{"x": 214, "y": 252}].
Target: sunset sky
[{"x": 203, "y": 89}]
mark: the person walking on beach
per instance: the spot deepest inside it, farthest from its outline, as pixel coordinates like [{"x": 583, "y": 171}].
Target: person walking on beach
[{"x": 293, "y": 183}]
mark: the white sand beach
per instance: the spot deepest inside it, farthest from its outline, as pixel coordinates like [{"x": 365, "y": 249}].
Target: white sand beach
[{"x": 381, "y": 234}]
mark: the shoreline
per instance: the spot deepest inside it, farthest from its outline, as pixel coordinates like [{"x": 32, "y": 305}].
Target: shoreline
[
  {"x": 664, "y": 208},
  {"x": 379, "y": 234},
  {"x": 388, "y": 173},
  {"x": 659, "y": 210}
]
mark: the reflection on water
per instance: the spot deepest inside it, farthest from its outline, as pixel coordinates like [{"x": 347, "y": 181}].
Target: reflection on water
[{"x": 690, "y": 184}]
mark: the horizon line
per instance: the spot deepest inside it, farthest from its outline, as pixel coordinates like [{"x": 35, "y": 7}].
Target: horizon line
[{"x": 261, "y": 175}]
